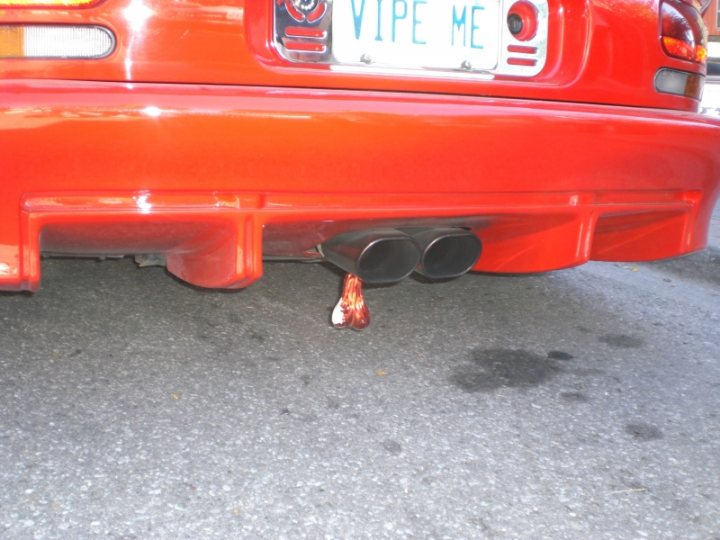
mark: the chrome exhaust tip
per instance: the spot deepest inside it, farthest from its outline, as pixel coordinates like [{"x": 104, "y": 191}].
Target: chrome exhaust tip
[
  {"x": 377, "y": 256},
  {"x": 446, "y": 253}
]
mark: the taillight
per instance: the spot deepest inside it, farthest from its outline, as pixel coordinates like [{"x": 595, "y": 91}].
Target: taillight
[
  {"x": 684, "y": 34},
  {"x": 52, "y": 41}
]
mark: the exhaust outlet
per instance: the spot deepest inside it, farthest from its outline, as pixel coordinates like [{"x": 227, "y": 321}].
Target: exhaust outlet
[
  {"x": 446, "y": 253},
  {"x": 376, "y": 256}
]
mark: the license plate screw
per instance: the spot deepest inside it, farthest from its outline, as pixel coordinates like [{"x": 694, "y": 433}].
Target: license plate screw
[
  {"x": 466, "y": 65},
  {"x": 366, "y": 59}
]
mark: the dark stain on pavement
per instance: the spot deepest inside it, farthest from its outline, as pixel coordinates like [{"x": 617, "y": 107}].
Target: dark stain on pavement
[
  {"x": 583, "y": 329},
  {"x": 492, "y": 369},
  {"x": 574, "y": 397},
  {"x": 560, "y": 355},
  {"x": 234, "y": 318},
  {"x": 622, "y": 341},
  {"x": 333, "y": 404},
  {"x": 257, "y": 337},
  {"x": 586, "y": 372},
  {"x": 644, "y": 432},
  {"x": 392, "y": 447}
]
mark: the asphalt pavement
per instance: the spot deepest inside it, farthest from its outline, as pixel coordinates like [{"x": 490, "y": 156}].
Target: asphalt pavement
[{"x": 577, "y": 404}]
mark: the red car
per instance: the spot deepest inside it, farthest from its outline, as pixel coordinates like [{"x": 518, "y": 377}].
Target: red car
[{"x": 386, "y": 136}]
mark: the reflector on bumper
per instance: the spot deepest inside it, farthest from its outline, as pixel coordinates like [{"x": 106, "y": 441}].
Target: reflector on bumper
[
  {"x": 48, "y": 41},
  {"x": 679, "y": 83}
]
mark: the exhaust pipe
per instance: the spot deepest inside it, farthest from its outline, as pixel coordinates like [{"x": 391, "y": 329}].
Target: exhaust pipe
[
  {"x": 446, "y": 253},
  {"x": 376, "y": 256}
]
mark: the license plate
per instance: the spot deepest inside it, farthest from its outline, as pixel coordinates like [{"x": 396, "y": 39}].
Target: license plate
[{"x": 431, "y": 34}]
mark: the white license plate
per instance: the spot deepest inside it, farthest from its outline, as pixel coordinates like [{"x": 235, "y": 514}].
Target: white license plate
[{"x": 434, "y": 34}]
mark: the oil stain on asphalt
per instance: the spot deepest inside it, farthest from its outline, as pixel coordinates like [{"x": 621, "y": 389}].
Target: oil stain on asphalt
[
  {"x": 560, "y": 355},
  {"x": 622, "y": 341},
  {"x": 492, "y": 369},
  {"x": 574, "y": 397},
  {"x": 644, "y": 432}
]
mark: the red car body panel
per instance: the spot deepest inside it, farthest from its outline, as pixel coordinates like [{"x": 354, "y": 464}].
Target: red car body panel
[
  {"x": 194, "y": 139},
  {"x": 604, "y": 51}
]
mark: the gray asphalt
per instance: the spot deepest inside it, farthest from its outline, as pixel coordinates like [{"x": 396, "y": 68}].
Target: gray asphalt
[{"x": 578, "y": 404}]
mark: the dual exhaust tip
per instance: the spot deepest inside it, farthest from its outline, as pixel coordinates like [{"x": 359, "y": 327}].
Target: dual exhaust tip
[{"x": 390, "y": 255}]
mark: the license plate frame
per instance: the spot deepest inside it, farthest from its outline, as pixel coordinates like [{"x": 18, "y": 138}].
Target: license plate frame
[{"x": 335, "y": 35}]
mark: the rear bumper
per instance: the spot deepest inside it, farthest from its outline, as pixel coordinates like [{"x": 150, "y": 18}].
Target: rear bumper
[{"x": 219, "y": 177}]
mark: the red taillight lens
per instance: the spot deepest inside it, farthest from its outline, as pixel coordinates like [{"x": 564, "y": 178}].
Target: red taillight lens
[{"x": 683, "y": 32}]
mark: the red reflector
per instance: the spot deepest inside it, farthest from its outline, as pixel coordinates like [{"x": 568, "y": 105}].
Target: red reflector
[
  {"x": 305, "y": 46},
  {"x": 522, "y": 61},
  {"x": 305, "y": 32},
  {"x": 522, "y": 49}
]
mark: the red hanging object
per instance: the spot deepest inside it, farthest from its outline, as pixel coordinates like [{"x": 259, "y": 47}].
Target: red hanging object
[{"x": 351, "y": 310}]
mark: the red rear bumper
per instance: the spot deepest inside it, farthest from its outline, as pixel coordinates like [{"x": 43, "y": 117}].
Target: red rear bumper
[{"x": 218, "y": 177}]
